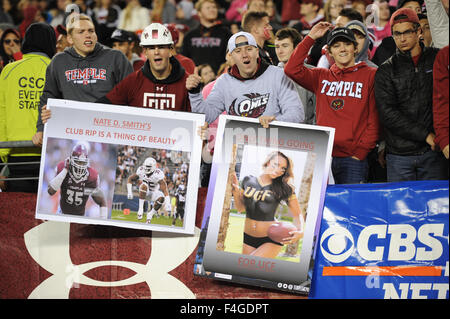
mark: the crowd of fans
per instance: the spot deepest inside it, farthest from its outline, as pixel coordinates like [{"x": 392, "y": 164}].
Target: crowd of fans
[
  {"x": 410, "y": 122},
  {"x": 127, "y": 159}
]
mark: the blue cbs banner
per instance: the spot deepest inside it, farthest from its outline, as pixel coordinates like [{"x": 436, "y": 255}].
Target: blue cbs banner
[{"x": 384, "y": 241}]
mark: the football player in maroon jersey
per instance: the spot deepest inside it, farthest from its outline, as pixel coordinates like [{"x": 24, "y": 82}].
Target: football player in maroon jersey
[{"x": 76, "y": 182}]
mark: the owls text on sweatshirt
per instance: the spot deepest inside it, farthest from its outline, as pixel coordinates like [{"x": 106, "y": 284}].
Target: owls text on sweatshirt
[{"x": 269, "y": 92}]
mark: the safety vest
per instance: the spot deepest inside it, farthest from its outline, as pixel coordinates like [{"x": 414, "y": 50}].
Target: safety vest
[{"x": 21, "y": 86}]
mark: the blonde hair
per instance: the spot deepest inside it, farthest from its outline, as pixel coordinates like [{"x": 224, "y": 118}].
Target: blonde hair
[
  {"x": 73, "y": 18},
  {"x": 199, "y": 4},
  {"x": 326, "y": 11}
]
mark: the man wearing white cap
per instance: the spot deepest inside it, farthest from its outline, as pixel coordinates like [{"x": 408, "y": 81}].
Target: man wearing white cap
[
  {"x": 251, "y": 88},
  {"x": 160, "y": 83}
]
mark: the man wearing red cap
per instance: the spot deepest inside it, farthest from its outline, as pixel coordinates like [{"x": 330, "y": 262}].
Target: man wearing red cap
[
  {"x": 404, "y": 97},
  {"x": 387, "y": 46}
]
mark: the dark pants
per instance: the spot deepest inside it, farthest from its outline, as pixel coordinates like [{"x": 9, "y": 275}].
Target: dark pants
[
  {"x": 347, "y": 170},
  {"x": 377, "y": 173},
  {"x": 205, "y": 173},
  {"x": 428, "y": 166},
  {"x": 27, "y": 170}
]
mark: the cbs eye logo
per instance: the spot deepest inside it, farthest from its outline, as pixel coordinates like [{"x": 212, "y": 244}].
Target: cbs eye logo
[{"x": 337, "y": 244}]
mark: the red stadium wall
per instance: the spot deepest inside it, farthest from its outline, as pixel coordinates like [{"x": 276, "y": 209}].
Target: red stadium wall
[{"x": 125, "y": 249}]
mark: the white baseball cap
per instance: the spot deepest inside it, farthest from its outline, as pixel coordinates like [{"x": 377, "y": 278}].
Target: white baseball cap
[{"x": 232, "y": 41}]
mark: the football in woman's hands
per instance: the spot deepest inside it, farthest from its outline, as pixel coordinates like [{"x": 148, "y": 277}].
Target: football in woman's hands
[{"x": 280, "y": 230}]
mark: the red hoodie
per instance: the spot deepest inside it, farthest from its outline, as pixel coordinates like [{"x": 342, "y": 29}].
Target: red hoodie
[
  {"x": 142, "y": 89},
  {"x": 345, "y": 100},
  {"x": 441, "y": 96}
]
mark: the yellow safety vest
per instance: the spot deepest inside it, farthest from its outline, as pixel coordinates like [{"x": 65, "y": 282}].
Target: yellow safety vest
[{"x": 21, "y": 86}]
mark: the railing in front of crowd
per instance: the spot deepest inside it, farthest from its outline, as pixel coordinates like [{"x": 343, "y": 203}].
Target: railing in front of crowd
[{"x": 4, "y": 166}]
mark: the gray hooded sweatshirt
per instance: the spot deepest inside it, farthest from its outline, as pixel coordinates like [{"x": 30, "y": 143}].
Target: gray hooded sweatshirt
[
  {"x": 364, "y": 54},
  {"x": 269, "y": 92},
  {"x": 71, "y": 76}
]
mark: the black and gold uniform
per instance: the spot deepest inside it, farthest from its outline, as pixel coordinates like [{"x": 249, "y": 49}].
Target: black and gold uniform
[
  {"x": 260, "y": 205},
  {"x": 260, "y": 202}
]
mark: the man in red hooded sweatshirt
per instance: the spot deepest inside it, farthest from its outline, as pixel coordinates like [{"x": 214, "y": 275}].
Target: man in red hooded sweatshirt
[
  {"x": 160, "y": 83},
  {"x": 441, "y": 99},
  {"x": 345, "y": 100}
]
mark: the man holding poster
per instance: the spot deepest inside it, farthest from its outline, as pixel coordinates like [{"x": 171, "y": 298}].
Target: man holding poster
[
  {"x": 160, "y": 83},
  {"x": 251, "y": 88},
  {"x": 85, "y": 72}
]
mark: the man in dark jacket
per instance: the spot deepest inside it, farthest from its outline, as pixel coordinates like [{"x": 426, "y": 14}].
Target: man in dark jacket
[
  {"x": 207, "y": 43},
  {"x": 403, "y": 92},
  {"x": 387, "y": 47}
]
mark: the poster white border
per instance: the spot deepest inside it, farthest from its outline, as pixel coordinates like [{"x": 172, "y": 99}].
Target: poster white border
[
  {"x": 178, "y": 127},
  {"x": 291, "y": 274}
]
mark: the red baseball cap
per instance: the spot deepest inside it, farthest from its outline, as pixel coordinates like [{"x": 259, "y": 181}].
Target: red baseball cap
[
  {"x": 61, "y": 29},
  {"x": 404, "y": 15}
]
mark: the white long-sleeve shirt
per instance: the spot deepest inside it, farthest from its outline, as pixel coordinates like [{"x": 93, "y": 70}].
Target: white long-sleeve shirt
[{"x": 439, "y": 23}]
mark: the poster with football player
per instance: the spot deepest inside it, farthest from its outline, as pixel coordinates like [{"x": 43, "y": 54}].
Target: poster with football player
[
  {"x": 148, "y": 183},
  {"x": 120, "y": 166},
  {"x": 259, "y": 227},
  {"x": 180, "y": 196},
  {"x": 73, "y": 180}
]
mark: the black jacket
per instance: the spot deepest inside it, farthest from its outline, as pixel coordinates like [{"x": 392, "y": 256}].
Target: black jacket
[
  {"x": 207, "y": 45},
  {"x": 404, "y": 98},
  {"x": 384, "y": 51}
]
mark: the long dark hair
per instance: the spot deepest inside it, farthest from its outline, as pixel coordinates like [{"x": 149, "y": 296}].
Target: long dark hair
[
  {"x": 281, "y": 187},
  {"x": 6, "y": 58}
]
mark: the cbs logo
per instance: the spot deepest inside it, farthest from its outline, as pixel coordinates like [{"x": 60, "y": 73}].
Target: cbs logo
[{"x": 336, "y": 244}]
